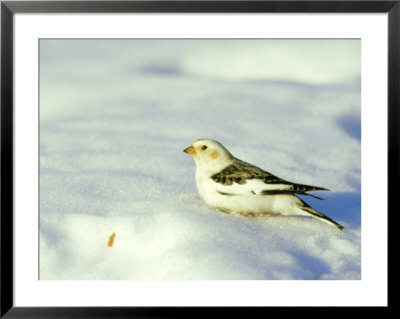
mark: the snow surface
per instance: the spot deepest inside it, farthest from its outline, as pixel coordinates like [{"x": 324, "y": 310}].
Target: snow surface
[{"x": 115, "y": 116}]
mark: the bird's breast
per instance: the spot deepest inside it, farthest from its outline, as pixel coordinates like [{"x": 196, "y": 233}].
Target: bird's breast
[{"x": 206, "y": 188}]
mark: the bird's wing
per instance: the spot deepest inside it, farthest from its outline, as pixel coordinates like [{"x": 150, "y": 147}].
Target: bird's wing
[{"x": 242, "y": 178}]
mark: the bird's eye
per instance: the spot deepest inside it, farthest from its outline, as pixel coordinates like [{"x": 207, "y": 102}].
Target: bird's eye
[{"x": 204, "y": 147}]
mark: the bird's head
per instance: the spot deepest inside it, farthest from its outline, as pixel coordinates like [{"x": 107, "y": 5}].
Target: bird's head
[{"x": 209, "y": 155}]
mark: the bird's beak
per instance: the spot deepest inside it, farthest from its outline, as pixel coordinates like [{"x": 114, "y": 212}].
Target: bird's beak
[{"x": 190, "y": 150}]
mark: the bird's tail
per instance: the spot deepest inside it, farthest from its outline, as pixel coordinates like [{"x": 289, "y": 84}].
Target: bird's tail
[{"x": 320, "y": 216}]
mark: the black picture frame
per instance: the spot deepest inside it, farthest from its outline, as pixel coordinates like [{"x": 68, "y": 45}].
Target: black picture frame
[{"x": 9, "y": 8}]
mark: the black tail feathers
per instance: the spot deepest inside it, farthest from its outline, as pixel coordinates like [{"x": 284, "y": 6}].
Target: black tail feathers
[{"x": 320, "y": 216}]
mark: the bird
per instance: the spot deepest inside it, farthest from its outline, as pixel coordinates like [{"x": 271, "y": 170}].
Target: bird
[{"x": 231, "y": 185}]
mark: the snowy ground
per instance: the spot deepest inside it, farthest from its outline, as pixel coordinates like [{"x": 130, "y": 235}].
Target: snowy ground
[{"x": 115, "y": 116}]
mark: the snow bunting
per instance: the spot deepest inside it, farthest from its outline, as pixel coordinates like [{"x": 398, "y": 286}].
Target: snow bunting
[{"x": 232, "y": 185}]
